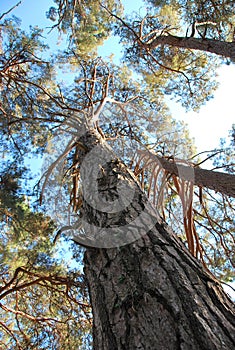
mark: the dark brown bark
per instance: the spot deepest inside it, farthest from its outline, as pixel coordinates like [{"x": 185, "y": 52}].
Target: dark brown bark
[
  {"x": 153, "y": 295},
  {"x": 150, "y": 294},
  {"x": 223, "y": 48}
]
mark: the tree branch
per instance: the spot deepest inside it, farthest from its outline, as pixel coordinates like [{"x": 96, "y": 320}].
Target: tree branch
[
  {"x": 11, "y": 9},
  {"x": 222, "y": 48},
  {"x": 214, "y": 180}
]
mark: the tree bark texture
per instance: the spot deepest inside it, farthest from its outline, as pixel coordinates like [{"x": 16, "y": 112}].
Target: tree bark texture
[
  {"x": 223, "y": 48},
  {"x": 152, "y": 293},
  {"x": 214, "y": 180}
]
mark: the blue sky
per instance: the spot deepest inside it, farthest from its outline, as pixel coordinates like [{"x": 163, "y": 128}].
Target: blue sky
[
  {"x": 31, "y": 12},
  {"x": 216, "y": 117}
]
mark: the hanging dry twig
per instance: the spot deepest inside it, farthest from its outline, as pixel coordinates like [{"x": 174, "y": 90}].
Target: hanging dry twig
[{"x": 146, "y": 161}]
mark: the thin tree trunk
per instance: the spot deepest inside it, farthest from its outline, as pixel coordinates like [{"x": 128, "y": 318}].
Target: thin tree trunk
[
  {"x": 151, "y": 293},
  {"x": 223, "y": 48}
]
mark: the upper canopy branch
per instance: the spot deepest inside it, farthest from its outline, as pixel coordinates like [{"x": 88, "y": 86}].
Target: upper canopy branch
[
  {"x": 219, "y": 182},
  {"x": 217, "y": 47},
  {"x": 162, "y": 36}
]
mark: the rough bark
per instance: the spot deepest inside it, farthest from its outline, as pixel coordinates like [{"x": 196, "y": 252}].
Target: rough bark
[
  {"x": 150, "y": 294},
  {"x": 153, "y": 295},
  {"x": 214, "y": 180},
  {"x": 223, "y": 48}
]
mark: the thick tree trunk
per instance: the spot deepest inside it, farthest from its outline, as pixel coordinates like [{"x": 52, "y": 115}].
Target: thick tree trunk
[
  {"x": 223, "y": 48},
  {"x": 151, "y": 293}
]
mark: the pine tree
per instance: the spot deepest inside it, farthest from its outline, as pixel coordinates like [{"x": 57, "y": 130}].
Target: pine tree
[{"x": 147, "y": 288}]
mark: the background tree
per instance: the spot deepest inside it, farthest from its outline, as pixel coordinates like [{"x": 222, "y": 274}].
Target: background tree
[
  {"x": 40, "y": 293},
  {"x": 86, "y": 24},
  {"x": 42, "y": 298},
  {"x": 159, "y": 47}
]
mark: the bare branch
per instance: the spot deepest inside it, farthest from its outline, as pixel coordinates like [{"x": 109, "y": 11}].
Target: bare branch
[{"x": 11, "y": 9}]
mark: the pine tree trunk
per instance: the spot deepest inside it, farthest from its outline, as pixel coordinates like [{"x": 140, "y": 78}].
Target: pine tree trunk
[
  {"x": 153, "y": 295},
  {"x": 218, "y": 181},
  {"x": 222, "y": 48},
  {"x": 150, "y": 293}
]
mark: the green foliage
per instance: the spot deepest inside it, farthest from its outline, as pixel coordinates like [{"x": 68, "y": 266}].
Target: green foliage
[
  {"x": 42, "y": 301},
  {"x": 24, "y": 76},
  {"x": 86, "y": 23},
  {"x": 189, "y": 76},
  {"x": 225, "y": 155},
  {"x": 219, "y": 15}
]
